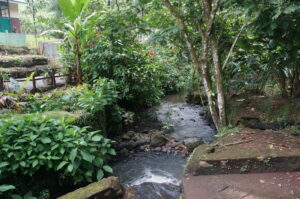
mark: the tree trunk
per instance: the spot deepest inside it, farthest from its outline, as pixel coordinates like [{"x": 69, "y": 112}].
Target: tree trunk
[
  {"x": 219, "y": 81},
  {"x": 204, "y": 72},
  {"x": 201, "y": 65},
  {"x": 282, "y": 84},
  {"x": 78, "y": 63},
  {"x": 296, "y": 86}
]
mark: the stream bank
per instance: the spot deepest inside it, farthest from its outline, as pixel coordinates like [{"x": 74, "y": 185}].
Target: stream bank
[
  {"x": 154, "y": 153},
  {"x": 242, "y": 163}
]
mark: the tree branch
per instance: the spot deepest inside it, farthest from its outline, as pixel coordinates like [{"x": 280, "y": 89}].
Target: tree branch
[
  {"x": 210, "y": 12},
  {"x": 184, "y": 30},
  {"x": 233, "y": 44}
]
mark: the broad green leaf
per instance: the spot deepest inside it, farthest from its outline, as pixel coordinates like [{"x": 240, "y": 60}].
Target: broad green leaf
[
  {"x": 3, "y": 164},
  {"x": 16, "y": 197},
  {"x": 46, "y": 140},
  {"x": 108, "y": 169},
  {"x": 87, "y": 156},
  {"x": 4, "y": 188},
  {"x": 72, "y": 9},
  {"x": 70, "y": 167},
  {"x": 96, "y": 138},
  {"x": 103, "y": 151},
  {"x": 98, "y": 162},
  {"x": 73, "y": 154},
  {"x": 35, "y": 163},
  {"x": 61, "y": 165},
  {"x": 100, "y": 174}
]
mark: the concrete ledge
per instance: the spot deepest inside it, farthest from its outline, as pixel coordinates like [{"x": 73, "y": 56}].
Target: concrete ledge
[
  {"x": 247, "y": 186},
  {"x": 108, "y": 188},
  {"x": 247, "y": 151}
]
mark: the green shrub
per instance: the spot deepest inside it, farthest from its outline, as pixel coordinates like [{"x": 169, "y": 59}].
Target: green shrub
[
  {"x": 35, "y": 143},
  {"x": 134, "y": 69},
  {"x": 90, "y": 98},
  {"x": 96, "y": 103}
]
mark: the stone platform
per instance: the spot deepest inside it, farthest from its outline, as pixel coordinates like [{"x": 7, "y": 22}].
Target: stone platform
[
  {"x": 279, "y": 185},
  {"x": 246, "y": 164}
]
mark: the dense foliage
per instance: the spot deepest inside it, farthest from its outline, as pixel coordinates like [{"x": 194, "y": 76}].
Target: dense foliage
[
  {"x": 125, "y": 55},
  {"x": 91, "y": 98},
  {"x": 36, "y": 143},
  {"x": 133, "y": 68}
]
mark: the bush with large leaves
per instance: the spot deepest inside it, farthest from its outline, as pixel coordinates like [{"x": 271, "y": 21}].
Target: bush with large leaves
[
  {"x": 35, "y": 143},
  {"x": 134, "y": 69}
]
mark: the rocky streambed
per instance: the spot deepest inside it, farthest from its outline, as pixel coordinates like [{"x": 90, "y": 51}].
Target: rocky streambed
[{"x": 152, "y": 157}]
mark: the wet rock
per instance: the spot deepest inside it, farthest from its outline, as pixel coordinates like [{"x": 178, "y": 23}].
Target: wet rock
[
  {"x": 158, "y": 140},
  {"x": 129, "y": 135},
  {"x": 124, "y": 151},
  {"x": 142, "y": 142},
  {"x": 7, "y": 102},
  {"x": 192, "y": 145},
  {"x": 108, "y": 188},
  {"x": 157, "y": 149},
  {"x": 131, "y": 145},
  {"x": 121, "y": 146},
  {"x": 142, "y": 148}
]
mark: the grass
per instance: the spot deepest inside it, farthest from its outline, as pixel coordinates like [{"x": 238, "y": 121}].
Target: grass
[{"x": 30, "y": 40}]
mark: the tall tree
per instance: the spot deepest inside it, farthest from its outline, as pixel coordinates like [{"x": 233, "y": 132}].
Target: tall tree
[{"x": 209, "y": 46}]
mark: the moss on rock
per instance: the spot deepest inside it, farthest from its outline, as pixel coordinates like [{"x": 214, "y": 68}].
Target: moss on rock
[
  {"x": 108, "y": 188},
  {"x": 158, "y": 140},
  {"x": 247, "y": 150},
  {"x": 22, "y": 61}
]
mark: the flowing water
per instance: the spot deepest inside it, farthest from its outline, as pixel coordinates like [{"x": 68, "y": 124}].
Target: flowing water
[
  {"x": 159, "y": 175},
  {"x": 187, "y": 121}
]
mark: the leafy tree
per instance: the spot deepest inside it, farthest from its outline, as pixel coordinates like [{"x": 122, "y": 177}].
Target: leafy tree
[
  {"x": 203, "y": 14},
  {"x": 75, "y": 29}
]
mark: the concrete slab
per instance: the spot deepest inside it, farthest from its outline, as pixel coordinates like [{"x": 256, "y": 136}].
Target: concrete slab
[
  {"x": 247, "y": 151},
  {"x": 280, "y": 185}
]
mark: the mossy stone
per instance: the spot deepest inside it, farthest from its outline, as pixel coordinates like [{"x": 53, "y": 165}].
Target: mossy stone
[
  {"x": 158, "y": 140},
  {"x": 108, "y": 188}
]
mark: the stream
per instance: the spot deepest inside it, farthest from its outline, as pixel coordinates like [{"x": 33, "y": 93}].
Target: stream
[{"x": 159, "y": 175}]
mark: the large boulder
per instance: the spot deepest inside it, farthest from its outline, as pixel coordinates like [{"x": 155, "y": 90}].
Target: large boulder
[
  {"x": 108, "y": 188},
  {"x": 158, "y": 140}
]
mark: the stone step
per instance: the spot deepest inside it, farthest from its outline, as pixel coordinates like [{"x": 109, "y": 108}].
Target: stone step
[
  {"x": 22, "y": 61},
  {"x": 247, "y": 151},
  {"x": 108, "y": 188},
  {"x": 19, "y": 72},
  {"x": 247, "y": 186}
]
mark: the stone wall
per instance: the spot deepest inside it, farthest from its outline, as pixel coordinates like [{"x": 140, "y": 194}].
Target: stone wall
[
  {"x": 49, "y": 49},
  {"x": 108, "y": 188}
]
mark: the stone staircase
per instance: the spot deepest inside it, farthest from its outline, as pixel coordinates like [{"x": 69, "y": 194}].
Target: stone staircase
[{"x": 20, "y": 66}]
